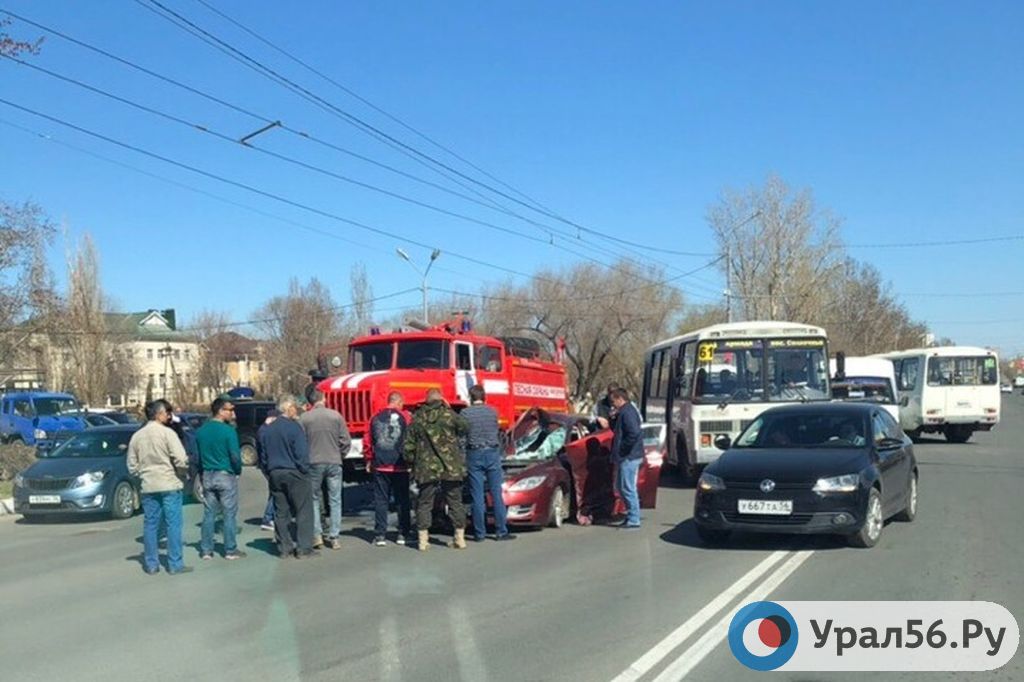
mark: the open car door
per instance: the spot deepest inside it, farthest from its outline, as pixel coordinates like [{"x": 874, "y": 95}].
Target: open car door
[{"x": 593, "y": 475}]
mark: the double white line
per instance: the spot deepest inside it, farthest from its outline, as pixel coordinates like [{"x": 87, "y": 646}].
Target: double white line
[{"x": 786, "y": 563}]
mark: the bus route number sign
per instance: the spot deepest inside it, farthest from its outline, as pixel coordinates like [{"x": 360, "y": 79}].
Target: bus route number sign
[{"x": 706, "y": 352}]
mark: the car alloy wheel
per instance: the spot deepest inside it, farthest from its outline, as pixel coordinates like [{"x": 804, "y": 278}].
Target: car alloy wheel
[
  {"x": 249, "y": 455},
  {"x": 874, "y": 520},
  {"x": 557, "y": 515},
  {"x": 124, "y": 501}
]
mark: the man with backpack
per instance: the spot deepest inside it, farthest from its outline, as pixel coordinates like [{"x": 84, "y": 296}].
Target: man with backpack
[{"x": 383, "y": 445}]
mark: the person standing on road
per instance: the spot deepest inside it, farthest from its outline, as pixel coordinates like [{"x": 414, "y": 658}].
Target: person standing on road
[
  {"x": 627, "y": 453},
  {"x": 284, "y": 456},
  {"x": 221, "y": 460},
  {"x": 267, "y": 522},
  {"x": 329, "y": 441},
  {"x": 483, "y": 465},
  {"x": 155, "y": 455},
  {"x": 433, "y": 451},
  {"x": 383, "y": 445},
  {"x": 604, "y": 410}
]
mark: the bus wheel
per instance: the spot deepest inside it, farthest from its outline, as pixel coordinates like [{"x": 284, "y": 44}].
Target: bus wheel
[{"x": 958, "y": 433}]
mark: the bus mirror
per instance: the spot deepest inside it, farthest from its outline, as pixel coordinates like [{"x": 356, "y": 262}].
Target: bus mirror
[
  {"x": 722, "y": 442},
  {"x": 904, "y": 401}
]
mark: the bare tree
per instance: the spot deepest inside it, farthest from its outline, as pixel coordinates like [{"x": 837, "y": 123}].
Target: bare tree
[
  {"x": 86, "y": 337},
  {"x": 210, "y": 328},
  {"x": 295, "y": 326},
  {"x": 779, "y": 261},
  {"x": 12, "y": 47},
  {"x": 607, "y": 318},
  {"x": 362, "y": 299},
  {"x": 26, "y": 285}
]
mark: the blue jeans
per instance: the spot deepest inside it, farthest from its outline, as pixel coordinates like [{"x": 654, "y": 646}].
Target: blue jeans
[
  {"x": 629, "y": 469},
  {"x": 317, "y": 474},
  {"x": 157, "y": 507},
  {"x": 220, "y": 495},
  {"x": 268, "y": 512},
  {"x": 483, "y": 467}
]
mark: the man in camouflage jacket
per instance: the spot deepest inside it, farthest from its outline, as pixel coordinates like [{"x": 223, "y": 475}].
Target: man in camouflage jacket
[{"x": 434, "y": 453}]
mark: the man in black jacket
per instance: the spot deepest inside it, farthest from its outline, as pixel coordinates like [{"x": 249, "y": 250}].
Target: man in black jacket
[
  {"x": 627, "y": 454},
  {"x": 284, "y": 458}
]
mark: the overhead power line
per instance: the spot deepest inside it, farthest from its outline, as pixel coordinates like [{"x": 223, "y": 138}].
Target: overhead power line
[
  {"x": 946, "y": 242},
  {"x": 198, "y": 31}
]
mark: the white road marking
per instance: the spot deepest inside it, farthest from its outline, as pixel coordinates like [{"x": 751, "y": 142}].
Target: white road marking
[
  {"x": 467, "y": 650},
  {"x": 690, "y": 658},
  {"x": 390, "y": 662},
  {"x": 663, "y": 648}
]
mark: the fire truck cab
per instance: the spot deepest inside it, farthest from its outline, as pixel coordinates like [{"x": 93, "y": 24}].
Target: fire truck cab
[{"x": 450, "y": 357}]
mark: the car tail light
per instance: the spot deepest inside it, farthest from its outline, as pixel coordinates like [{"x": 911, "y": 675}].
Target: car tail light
[
  {"x": 934, "y": 412},
  {"x": 990, "y": 410}
]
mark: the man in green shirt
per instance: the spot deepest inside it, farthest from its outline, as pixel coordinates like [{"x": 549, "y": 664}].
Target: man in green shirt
[{"x": 221, "y": 461}]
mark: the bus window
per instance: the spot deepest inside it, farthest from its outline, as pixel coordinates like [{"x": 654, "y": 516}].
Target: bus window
[
  {"x": 797, "y": 370},
  {"x": 664, "y": 370},
  {"x": 962, "y": 371},
  {"x": 684, "y": 371},
  {"x": 907, "y": 374},
  {"x": 730, "y": 370}
]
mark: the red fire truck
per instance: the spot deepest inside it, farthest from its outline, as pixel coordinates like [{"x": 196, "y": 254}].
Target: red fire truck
[{"x": 450, "y": 357}]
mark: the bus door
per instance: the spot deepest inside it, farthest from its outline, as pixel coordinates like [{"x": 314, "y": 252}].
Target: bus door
[{"x": 681, "y": 404}]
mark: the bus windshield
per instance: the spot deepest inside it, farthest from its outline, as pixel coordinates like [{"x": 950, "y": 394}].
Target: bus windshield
[
  {"x": 962, "y": 371},
  {"x": 755, "y": 370}
]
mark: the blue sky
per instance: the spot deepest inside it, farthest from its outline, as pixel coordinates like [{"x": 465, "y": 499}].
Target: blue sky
[{"x": 631, "y": 118}]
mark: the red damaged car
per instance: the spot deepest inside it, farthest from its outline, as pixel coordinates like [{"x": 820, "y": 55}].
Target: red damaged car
[{"x": 554, "y": 467}]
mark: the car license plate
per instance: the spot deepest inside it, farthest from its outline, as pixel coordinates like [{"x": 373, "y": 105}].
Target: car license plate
[
  {"x": 778, "y": 507},
  {"x": 44, "y": 499}
]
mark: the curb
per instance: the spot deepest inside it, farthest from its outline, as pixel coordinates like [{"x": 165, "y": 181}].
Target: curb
[{"x": 7, "y": 506}]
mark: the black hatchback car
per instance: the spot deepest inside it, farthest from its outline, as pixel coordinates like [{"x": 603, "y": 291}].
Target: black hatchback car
[{"x": 828, "y": 468}]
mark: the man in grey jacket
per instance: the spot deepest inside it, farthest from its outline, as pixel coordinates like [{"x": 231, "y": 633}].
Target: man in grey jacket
[
  {"x": 329, "y": 442},
  {"x": 155, "y": 454}
]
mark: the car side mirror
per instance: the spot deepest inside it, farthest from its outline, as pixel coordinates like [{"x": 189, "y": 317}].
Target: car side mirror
[
  {"x": 723, "y": 442},
  {"x": 904, "y": 401},
  {"x": 889, "y": 443}
]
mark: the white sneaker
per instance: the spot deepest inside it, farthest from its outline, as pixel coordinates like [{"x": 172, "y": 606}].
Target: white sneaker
[{"x": 400, "y": 540}]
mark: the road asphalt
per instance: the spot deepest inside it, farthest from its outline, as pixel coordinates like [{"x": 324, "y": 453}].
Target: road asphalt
[{"x": 577, "y": 603}]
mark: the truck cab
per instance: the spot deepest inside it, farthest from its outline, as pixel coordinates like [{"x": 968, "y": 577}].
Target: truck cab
[{"x": 39, "y": 418}]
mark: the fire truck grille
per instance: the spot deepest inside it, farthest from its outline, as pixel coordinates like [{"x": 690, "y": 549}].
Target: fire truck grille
[{"x": 353, "y": 405}]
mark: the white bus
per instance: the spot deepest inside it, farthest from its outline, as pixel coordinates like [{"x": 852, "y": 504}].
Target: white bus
[
  {"x": 714, "y": 381},
  {"x": 860, "y": 379},
  {"x": 953, "y": 390}
]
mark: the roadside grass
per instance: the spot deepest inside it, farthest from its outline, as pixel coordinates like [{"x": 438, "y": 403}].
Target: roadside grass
[{"x": 6, "y": 489}]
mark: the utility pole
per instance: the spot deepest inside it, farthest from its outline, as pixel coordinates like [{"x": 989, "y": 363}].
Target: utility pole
[
  {"x": 728, "y": 282},
  {"x": 423, "y": 275}
]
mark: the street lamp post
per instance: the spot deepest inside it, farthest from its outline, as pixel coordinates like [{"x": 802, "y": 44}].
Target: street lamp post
[{"x": 423, "y": 275}]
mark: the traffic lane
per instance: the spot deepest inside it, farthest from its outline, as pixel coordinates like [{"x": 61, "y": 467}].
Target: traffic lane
[
  {"x": 494, "y": 610},
  {"x": 964, "y": 545}
]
